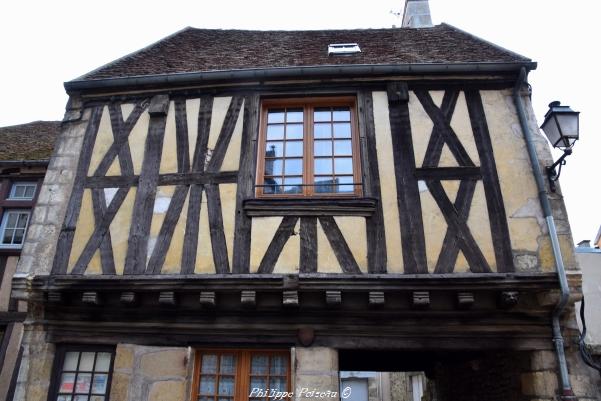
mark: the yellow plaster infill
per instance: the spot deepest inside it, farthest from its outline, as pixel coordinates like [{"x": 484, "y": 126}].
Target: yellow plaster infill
[
  {"x": 513, "y": 168},
  {"x": 173, "y": 258},
  {"x": 289, "y": 259},
  {"x": 228, "y": 214},
  {"x": 354, "y": 232},
  {"x": 169, "y": 153},
  {"x": 463, "y": 128},
  {"x": 326, "y": 258},
  {"x": 119, "y": 229},
  {"x": 83, "y": 232},
  {"x": 220, "y": 106},
  {"x": 435, "y": 228},
  {"x": 262, "y": 232},
  {"x": 137, "y": 141},
  {"x": 479, "y": 225},
  {"x": 545, "y": 254},
  {"x": 161, "y": 204},
  {"x": 421, "y": 129},
  {"x": 204, "y": 252},
  {"x": 192, "y": 108},
  {"x": 126, "y": 110},
  {"x": 232, "y": 156},
  {"x": 390, "y": 209},
  {"x": 104, "y": 140}
]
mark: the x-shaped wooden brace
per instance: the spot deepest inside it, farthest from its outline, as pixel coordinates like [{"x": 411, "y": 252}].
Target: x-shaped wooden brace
[
  {"x": 103, "y": 215},
  {"x": 458, "y": 236}
]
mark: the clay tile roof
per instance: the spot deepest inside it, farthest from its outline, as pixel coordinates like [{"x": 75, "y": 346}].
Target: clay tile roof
[
  {"x": 203, "y": 50},
  {"x": 31, "y": 141}
]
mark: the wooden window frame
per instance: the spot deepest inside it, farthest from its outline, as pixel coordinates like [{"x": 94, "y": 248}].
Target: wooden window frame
[
  {"x": 308, "y": 104},
  {"x": 242, "y": 375},
  {"x": 59, "y": 360},
  {"x": 4, "y": 222}
]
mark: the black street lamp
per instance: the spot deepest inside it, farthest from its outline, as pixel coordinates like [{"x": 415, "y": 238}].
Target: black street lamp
[{"x": 561, "y": 128}]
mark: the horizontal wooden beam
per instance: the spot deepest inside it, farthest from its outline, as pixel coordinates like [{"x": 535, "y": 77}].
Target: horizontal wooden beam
[
  {"x": 268, "y": 282},
  {"x": 222, "y": 177},
  {"x": 314, "y": 207}
]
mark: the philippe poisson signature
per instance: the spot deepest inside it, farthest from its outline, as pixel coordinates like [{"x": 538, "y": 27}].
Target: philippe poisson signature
[{"x": 303, "y": 392}]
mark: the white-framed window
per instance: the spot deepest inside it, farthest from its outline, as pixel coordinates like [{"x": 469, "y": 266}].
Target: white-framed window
[
  {"x": 13, "y": 228},
  {"x": 22, "y": 191}
]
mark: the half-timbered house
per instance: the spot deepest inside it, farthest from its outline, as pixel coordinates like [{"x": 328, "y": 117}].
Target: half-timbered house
[{"x": 249, "y": 211}]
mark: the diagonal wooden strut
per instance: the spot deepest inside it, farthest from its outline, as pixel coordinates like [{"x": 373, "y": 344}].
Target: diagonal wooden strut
[{"x": 458, "y": 225}]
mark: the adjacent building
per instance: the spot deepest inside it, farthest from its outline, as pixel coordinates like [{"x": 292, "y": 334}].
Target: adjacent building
[
  {"x": 24, "y": 154},
  {"x": 244, "y": 214}
]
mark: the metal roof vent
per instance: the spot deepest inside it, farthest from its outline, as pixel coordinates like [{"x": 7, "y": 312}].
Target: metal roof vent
[{"x": 343, "y": 48}]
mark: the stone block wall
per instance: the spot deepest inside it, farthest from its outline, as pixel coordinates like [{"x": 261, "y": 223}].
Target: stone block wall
[
  {"x": 151, "y": 373},
  {"x": 38, "y": 251}
]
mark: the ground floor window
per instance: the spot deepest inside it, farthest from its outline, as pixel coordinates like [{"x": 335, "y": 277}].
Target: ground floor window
[
  {"x": 240, "y": 375},
  {"x": 82, "y": 374}
]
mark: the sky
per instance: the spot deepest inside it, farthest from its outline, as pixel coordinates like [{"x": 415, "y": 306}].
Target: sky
[{"x": 44, "y": 43}]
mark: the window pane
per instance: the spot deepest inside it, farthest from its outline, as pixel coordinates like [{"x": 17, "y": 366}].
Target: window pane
[
  {"x": 81, "y": 398},
  {"x": 294, "y": 116},
  {"x": 294, "y": 148},
  {"x": 293, "y": 166},
  {"x": 226, "y": 385},
  {"x": 294, "y": 131},
  {"x": 258, "y": 364},
  {"x": 274, "y": 149},
  {"x": 97, "y": 398},
  {"x": 87, "y": 361},
  {"x": 67, "y": 383},
  {"x": 275, "y": 131},
  {"x": 11, "y": 221},
  {"x": 18, "y": 237},
  {"x": 343, "y": 147},
  {"x": 323, "y": 166},
  {"x": 322, "y": 114},
  {"x": 292, "y": 185},
  {"x": 22, "y": 222},
  {"x": 19, "y": 191},
  {"x": 273, "y": 185},
  {"x": 207, "y": 385},
  {"x": 103, "y": 362},
  {"x": 99, "y": 384},
  {"x": 322, "y": 130},
  {"x": 277, "y": 383},
  {"x": 345, "y": 184},
  {"x": 324, "y": 184},
  {"x": 64, "y": 398},
  {"x": 273, "y": 166},
  {"x": 83, "y": 383},
  {"x": 30, "y": 191},
  {"x": 343, "y": 165},
  {"x": 7, "y": 238},
  {"x": 323, "y": 148},
  {"x": 228, "y": 364},
  {"x": 209, "y": 364},
  {"x": 205, "y": 399},
  {"x": 70, "y": 361},
  {"x": 278, "y": 365},
  {"x": 342, "y": 114},
  {"x": 258, "y": 382},
  {"x": 275, "y": 116},
  {"x": 342, "y": 130}
]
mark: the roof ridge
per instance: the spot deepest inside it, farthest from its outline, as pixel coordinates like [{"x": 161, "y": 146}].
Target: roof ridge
[
  {"x": 476, "y": 37},
  {"x": 134, "y": 53}
]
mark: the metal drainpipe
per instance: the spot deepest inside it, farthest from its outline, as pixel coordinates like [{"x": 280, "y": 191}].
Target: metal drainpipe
[{"x": 567, "y": 392}]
